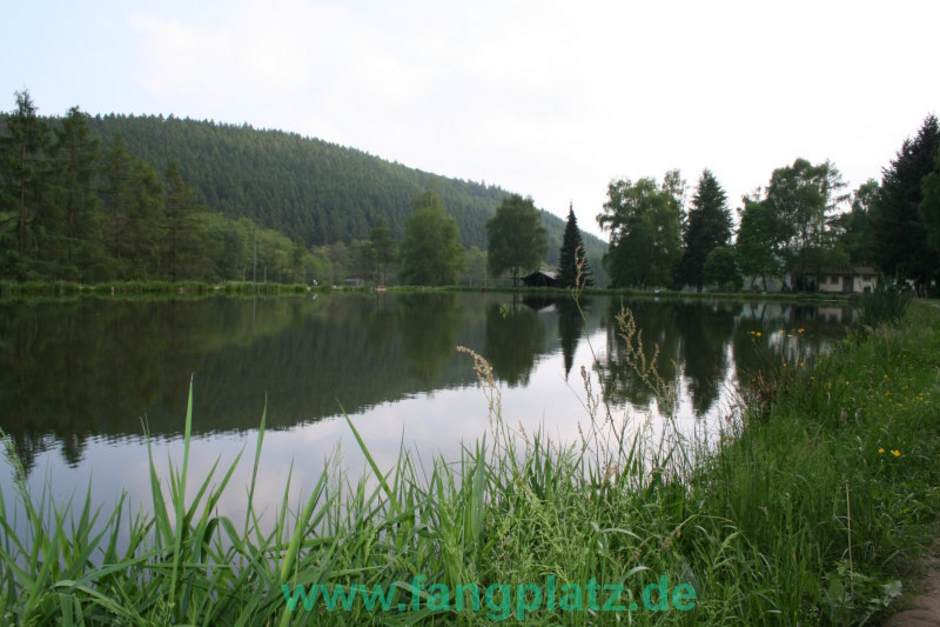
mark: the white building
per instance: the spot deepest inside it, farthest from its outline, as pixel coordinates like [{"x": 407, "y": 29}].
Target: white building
[{"x": 854, "y": 280}]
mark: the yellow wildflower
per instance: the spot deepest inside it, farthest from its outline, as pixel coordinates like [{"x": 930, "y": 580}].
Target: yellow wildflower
[
  {"x": 895, "y": 452},
  {"x": 881, "y": 451}
]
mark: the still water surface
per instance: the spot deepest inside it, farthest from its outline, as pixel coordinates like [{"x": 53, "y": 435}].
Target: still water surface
[{"x": 81, "y": 381}]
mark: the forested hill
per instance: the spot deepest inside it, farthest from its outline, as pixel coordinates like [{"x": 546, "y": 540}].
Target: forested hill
[{"x": 307, "y": 188}]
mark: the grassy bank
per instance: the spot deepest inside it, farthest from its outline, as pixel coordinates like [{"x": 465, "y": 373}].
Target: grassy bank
[
  {"x": 809, "y": 515},
  {"x": 55, "y": 289},
  {"x": 665, "y": 294}
]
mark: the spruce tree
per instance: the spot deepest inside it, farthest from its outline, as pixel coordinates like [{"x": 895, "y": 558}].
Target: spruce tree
[
  {"x": 25, "y": 162},
  {"x": 930, "y": 210},
  {"x": 708, "y": 227},
  {"x": 900, "y": 233},
  {"x": 77, "y": 163},
  {"x": 572, "y": 255},
  {"x": 184, "y": 236},
  {"x": 117, "y": 194}
]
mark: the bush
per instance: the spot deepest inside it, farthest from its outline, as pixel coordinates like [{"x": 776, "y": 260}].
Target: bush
[{"x": 886, "y": 304}]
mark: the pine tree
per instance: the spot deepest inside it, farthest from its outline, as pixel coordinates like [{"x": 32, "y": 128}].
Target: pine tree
[
  {"x": 184, "y": 231},
  {"x": 25, "y": 160},
  {"x": 572, "y": 256},
  {"x": 146, "y": 226},
  {"x": 930, "y": 210},
  {"x": 117, "y": 194},
  {"x": 708, "y": 227},
  {"x": 903, "y": 250},
  {"x": 77, "y": 163}
]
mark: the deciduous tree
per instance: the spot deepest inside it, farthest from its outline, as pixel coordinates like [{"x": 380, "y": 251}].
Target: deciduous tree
[
  {"x": 430, "y": 249},
  {"x": 644, "y": 223},
  {"x": 517, "y": 239}
]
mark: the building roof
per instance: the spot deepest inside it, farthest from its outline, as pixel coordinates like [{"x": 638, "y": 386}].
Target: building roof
[
  {"x": 547, "y": 271},
  {"x": 864, "y": 270}
]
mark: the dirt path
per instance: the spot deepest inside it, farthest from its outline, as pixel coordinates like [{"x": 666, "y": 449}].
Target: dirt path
[{"x": 925, "y": 608}]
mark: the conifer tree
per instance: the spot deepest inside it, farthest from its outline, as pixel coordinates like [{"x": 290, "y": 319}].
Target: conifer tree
[
  {"x": 900, "y": 233},
  {"x": 572, "y": 255},
  {"x": 25, "y": 163},
  {"x": 76, "y": 162},
  {"x": 708, "y": 227},
  {"x": 930, "y": 210},
  {"x": 184, "y": 233},
  {"x": 117, "y": 194}
]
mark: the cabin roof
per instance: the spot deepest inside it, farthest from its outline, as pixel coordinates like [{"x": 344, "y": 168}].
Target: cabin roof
[{"x": 549, "y": 272}]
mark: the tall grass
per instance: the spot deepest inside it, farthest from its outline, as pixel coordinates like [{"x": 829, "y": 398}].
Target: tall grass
[
  {"x": 796, "y": 518},
  {"x": 885, "y": 304}
]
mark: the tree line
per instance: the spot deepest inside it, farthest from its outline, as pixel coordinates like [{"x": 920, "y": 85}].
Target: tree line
[
  {"x": 147, "y": 197},
  {"x": 802, "y": 222}
]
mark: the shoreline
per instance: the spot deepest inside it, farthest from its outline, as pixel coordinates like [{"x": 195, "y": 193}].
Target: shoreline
[{"x": 33, "y": 290}]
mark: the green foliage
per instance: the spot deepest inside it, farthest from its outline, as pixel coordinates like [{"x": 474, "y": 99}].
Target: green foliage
[
  {"x": 184, "y": 237},
  {"x": 67, "y": 211},
  {"x": 886, "y": 304},
  {"x": 517, "y": 239},
  {"x": 63, "y": 207},
  {"x": 430, "y": 252},
  {"x": 475, "y": 270},
  {"x": 708, "y": 227},
  {"x": 721, "y": 269},
  {"x": 307, "y": 188},
  {"x": 930, "y": 207},
  {"x": 25, "y": 160},
  {"x": 644, "y": 223},
  {"x": 76, "y": 168},
  {"x": 901, "y": 234},
  {"x": 574, "y": 269},
  {"x": 800, "y": 198},
  {"x": 855, "y": 230},
  {"x": 758, "y": 242},
  {"x": 381, "y": 249}
]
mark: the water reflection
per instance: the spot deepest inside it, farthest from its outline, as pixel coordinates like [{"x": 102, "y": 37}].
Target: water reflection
[{"x": 90, "y": 371}]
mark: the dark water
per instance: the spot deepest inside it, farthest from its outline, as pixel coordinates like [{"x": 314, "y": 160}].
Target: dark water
[{"x": 79, "y": 381}]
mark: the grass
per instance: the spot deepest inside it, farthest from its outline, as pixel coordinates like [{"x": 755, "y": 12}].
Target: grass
[
  {"x": 635, "y": 293},
  {"x": 810, "y": 511},
  {"x": 156, "y": 289},
  {"x": 887, "y": 303},
  {"x": 134, "y": 289}
]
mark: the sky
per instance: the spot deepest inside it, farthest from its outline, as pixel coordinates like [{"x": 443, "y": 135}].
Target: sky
[{"x": 548, "y": 99}]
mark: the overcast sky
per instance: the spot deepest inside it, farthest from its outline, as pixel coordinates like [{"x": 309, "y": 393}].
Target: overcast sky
[{"x": 549, "y": 99}]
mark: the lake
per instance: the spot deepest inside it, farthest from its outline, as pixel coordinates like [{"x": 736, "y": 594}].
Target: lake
[{"x": 81, "y": 381}]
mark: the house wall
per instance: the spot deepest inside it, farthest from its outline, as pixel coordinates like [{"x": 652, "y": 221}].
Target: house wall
[
  {"x": 830, "y": 283},
  {"x": 861, "y": 282}
]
